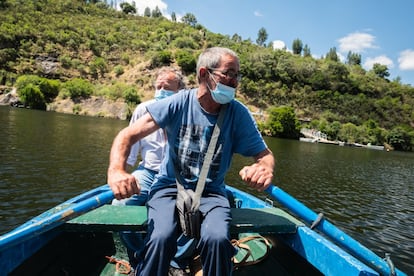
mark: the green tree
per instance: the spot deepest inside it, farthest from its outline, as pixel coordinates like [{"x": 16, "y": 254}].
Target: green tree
[
  {"x": 401, "y": 138},
  {"x": 173, "y": 17},
  {"x": 147, "y": 12},
  {"x": 283, "y": 122},
  {"x": 24, "y": 80},
  {"x": 32, "y": 97},
  {"x": 306, "y": 51},
  {"x": 332, "y": 55},
  {"x": 3, "y": 4},
  {"x": 128, "y": 8},
  {"x": 161, "y": 58},
  {"x": 131, "y": 96},
  {"x": 78, "y": 88},
  {"x": 332, "y": 130},
  {"x": 372, "y": 133},
  {"x": 236, "y": 38},
  {"x": 98, "y": 66},
  {"x": 48, "y": 88},
  {"x": 348, "y": 133},
  {"x": 186, "y": 61},
  {"x": 189, "y": 19},
  {"x": 380, "y": 70},
  {"x": 297, "y": 46},
  {"x": 156, "y": 12},
  {"x": 353, "y": 58},
  {"x": 261, "y": 36}
]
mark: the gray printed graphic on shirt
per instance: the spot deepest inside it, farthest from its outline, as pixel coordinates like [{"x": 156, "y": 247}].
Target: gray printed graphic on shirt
[{"x": 191, "y": 147}]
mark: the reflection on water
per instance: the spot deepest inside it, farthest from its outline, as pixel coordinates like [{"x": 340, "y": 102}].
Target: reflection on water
[
  {"x": 367, "y": 193},
  {"x": 49, "y": 157}
]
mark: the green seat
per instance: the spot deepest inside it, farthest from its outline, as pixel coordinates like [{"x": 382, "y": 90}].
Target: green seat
[{"x": 133, "y": 218}]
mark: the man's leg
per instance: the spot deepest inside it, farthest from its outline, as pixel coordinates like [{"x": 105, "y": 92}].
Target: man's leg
[
  {"x": 215, "y": 246},
  {"x": 161, "y": 241}
]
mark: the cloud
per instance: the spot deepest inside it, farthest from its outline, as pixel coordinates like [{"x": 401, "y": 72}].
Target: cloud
[
  {"x": 258, "y": 14},
  {"x": 356, "y": 42},
  {"x": 406, "y": 60},
  {"x": 383, "y": 60},
  {"x": 278, "y": 44}
]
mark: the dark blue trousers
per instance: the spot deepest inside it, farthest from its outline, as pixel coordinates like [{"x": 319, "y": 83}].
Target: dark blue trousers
[{"x": 214, "y": 245}]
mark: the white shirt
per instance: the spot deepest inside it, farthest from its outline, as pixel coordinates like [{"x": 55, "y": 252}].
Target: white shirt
[{"x": 151, "y": 147}]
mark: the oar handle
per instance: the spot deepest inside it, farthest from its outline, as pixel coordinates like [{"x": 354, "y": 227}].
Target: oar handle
[
  {"x": 49, "y": 222},
  {"x": 327, "y": 228}
]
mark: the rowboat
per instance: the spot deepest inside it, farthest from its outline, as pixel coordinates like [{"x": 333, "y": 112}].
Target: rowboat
[{"x": 79, "y": 237}]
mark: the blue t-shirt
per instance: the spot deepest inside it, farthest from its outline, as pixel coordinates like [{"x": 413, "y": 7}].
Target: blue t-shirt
[{"x": 189, "y": 129}]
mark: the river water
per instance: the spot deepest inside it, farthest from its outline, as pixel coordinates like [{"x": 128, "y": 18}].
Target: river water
[{"x": 48, "y": 157}]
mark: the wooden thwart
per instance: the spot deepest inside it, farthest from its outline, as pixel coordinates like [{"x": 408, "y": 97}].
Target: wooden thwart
[{"x": 133, "y": 218}]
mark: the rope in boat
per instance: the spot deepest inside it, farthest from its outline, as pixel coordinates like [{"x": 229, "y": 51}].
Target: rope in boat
[{"x": 121, "y": 266}]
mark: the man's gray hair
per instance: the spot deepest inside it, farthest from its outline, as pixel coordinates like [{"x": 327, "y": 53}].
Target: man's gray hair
[
  {"x": 169, "y": 69},
  {"x": 211, "y": 58}
]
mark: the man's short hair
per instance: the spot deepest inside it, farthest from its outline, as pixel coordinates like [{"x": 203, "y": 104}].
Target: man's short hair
[
  {"x": 169, "y": 69},
  {"x": 211, "y": 58}
]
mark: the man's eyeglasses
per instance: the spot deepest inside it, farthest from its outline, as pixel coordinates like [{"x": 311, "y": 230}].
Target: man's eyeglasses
[{"x": 227, "y": 74}]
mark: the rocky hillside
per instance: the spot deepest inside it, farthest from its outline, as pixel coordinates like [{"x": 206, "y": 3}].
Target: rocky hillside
[{"x": 96, "y": 106}]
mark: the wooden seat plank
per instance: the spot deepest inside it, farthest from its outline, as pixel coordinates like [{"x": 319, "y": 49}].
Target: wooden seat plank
[{"x": 133, "y": 218}]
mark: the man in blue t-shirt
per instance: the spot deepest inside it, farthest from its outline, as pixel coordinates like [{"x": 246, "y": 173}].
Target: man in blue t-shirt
[{"x": 188, "y": 119}]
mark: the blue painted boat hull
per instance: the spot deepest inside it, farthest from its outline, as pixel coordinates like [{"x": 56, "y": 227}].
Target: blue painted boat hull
[{"x": 310, "y": 252}]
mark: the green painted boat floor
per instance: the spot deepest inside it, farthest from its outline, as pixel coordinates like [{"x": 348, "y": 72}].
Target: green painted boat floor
[
  {"x": 133, "y": 218},
  {"x": 268, "y": 267},
  {"x": 246, "y": 221}
]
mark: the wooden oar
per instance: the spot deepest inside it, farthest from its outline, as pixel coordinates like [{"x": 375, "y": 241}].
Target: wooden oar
[
  {"x": 327, "y": 228},
  {"x": 47, "y": 222}
]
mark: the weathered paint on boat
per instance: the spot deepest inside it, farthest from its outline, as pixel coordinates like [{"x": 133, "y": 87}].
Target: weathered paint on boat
[{"x": 79, "y": 226}]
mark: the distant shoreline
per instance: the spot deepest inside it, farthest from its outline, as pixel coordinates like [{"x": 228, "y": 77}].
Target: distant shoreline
[{"x": 95, "y": 106}]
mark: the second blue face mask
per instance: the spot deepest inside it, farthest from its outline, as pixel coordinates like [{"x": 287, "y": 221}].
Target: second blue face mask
[{"x": 163, "y": 93}]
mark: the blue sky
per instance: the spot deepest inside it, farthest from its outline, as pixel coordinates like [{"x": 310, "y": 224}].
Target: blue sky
[{"x": 381, "y": 31}]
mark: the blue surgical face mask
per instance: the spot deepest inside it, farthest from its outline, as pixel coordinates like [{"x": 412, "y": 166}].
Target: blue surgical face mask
[
  {"x": 222, "y": 94},
  {"x": 163, "y": 93}
]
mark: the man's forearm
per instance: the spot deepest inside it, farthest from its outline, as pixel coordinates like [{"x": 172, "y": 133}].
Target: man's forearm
[
  {"x": 119, "y": 152},
  {"x": 266, "y": 158}
]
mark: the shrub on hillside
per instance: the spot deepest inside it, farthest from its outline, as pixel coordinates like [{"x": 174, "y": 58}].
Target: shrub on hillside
[
  {"x": 32, "y": 97},
  {"x": 48, "y": 89},
  {"x": 131, "y": 95},
  {"x": 186, "y": 61},
  {"x": 161, "y": 58},
  {"x": 119, "y": 70},
  {"x": 23, "y": 81},
  {"x": 401, "y": 138},
  {"x": 283, "y": 122},
  {"x": 77, "y": 88}
]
